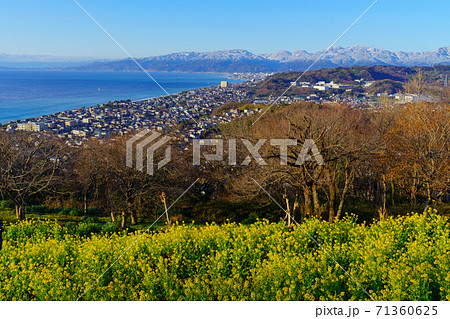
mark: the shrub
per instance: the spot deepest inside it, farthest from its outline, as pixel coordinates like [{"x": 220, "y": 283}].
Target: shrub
[
  {"x": 33, "y": 231},
  {"x": 93, "y": 211},
  {"x": 110, "y": 227},
  {"x": 6, "y": 204},
  {"x": 68, "y": 211},
  {"x": 76, "y": 212},
  {"x": 61, "y": 211},
  {"x": 86, "y": 229},
  {"x": 35, "y": 209}
]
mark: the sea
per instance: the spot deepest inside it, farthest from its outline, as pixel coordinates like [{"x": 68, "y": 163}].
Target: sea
[{"x": 32, "y": 93}]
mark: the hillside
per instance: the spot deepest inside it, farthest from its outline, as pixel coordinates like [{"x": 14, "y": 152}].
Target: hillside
[{"x": 388, "y": 79}]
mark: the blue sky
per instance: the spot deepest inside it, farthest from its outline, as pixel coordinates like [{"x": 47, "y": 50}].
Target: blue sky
[{"x": 146, "y": 27}]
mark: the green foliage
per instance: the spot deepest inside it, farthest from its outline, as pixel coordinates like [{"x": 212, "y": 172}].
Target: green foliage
[
  {"x": 110, "y": 227},
  {"x": 93, "y": 211},
  {"x": 402, "y": 258},
  {"x": 5, "y": 204},
  {"x": 76, "y": 212},
  {"x": 87, "y": 228},
  {"x": 61, "y": 211},
  {"x": 36, "y": 209},
  {"x": 68, "y": 211},
  {"x": 32, "y": 231}
]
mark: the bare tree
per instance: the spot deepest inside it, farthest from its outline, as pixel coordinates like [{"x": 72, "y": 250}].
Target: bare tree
[
  {"x": 343, "y": 136},
  {"x": 419, "y": 148},
  {"x": 28, "y": 166}
]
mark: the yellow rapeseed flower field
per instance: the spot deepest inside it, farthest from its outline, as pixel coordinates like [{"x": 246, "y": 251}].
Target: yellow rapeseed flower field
[{"x": 404, "y": 258}]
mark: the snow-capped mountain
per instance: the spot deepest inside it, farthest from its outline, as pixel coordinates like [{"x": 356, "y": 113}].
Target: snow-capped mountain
[
  {"x": 363, "y": 55},
  {"x": 245, "y": 61},
  {"x": 228, "y": 55}
]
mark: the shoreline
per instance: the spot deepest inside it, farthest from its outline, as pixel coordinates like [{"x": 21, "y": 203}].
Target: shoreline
[
  {"x": 28, "y": 114},
  {"x": 123, "y": 116}
]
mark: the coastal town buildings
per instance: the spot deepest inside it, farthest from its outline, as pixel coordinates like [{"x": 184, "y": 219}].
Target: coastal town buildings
[
  {"x": 160, "y": 114},
  {"x": 194, "y": 109}
]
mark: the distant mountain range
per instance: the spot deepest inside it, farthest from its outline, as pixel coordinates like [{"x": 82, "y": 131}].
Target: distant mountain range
[
  {"x": 41, "y": 61},
  {"x": 230, "y": 61}
]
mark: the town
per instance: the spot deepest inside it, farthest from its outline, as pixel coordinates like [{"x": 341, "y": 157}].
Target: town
[
  {"x": 122, "y": 117},
  {"x": 198, "y": 106}
]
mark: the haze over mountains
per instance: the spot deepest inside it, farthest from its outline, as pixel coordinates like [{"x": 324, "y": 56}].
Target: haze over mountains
[
  {"x": 230, "y": 61},
  {"x": 41, "y": 61},
  {"x": 281, "y": 61}
]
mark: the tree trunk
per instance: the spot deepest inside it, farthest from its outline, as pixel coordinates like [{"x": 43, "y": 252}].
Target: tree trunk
[
  {"x": 414, "y": 190},
  {"x": 20, "y": 212},
  {"x": 169, "y": 222},
  {"x": 288, "y": 212},
  {"x": 348, "y": 178},
  {"x": 131, "y": 211},
  {"x": 331, "y": 203},
  {"x": 392, "y": 191},
  {"x": 331, "y": 196},
  {"x": 307, "y": 196},
  {"x": 113, "y": 217},
  {"x": 316, "y": 201},
  {"x": 384, "y": 196},
  {"x": 428, "y": 198},
  {"x": 124, "y": 220},
  {"x": 85, "y": 203},
  {"x": 133, "y": 218},
  {"x": 413, "y": 194},
  {"x": 293, "y": 210}
]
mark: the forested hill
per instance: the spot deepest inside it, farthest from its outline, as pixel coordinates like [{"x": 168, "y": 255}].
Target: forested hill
[{"x": 390, "y": 78}]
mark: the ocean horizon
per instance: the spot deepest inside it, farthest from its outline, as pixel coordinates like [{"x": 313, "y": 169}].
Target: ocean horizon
[{"x": 32, "y": 93}]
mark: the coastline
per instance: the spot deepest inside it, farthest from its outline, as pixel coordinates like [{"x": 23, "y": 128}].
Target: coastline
[
  {"x": 20, "y": 108},
  {"x": 123, "y": 116}
]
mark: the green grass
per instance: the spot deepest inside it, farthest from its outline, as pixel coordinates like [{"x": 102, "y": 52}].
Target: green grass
[{"x": 9, "y": 216}]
